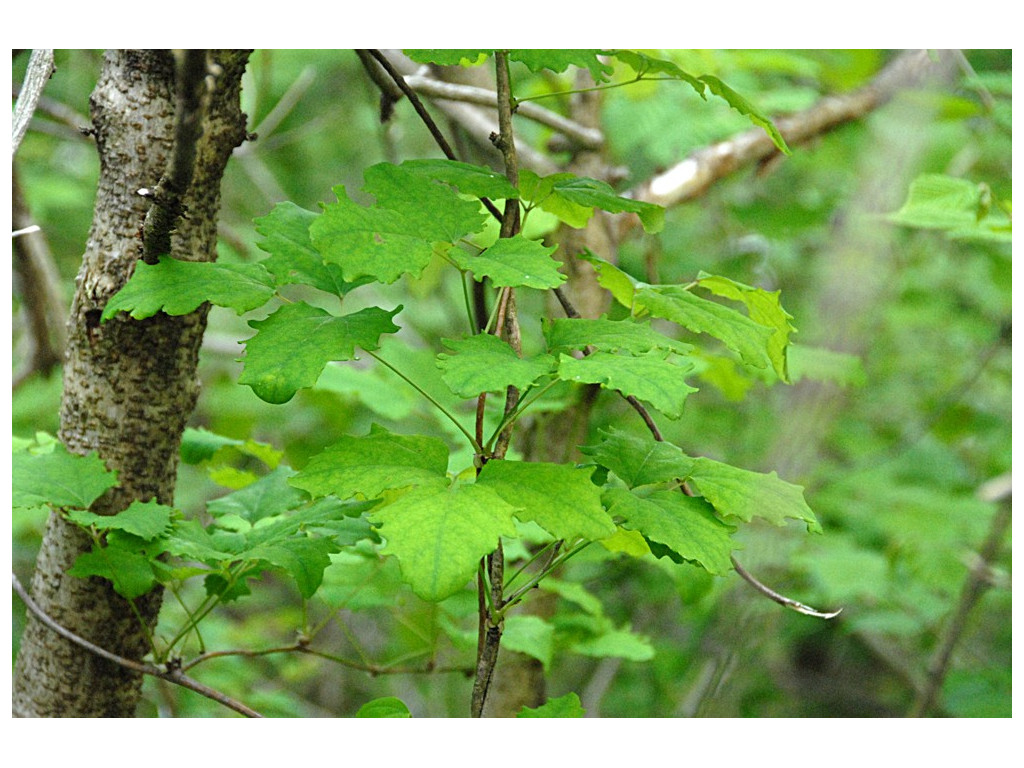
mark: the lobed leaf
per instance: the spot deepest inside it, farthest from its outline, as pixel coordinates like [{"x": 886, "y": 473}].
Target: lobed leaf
[
  {"x": 637, "y": 460},
  {"x": 178, "y": 287},
  {"x": 369, "y": 465},
  {"x": 685, "y": 524},
  {"x": 559, "y": 60},
  {"x": 606, "y": 335},
  {"x": 651, "y": 377},
  {"x": 573, "y": 199},
  {"x": 439, "y": 533},
  {"x": 485, "y": 363},
  {"x": 558, "y": 497},
  {"x": 58, "y": 478},
  {"x": 515, "y": 262},
  {"x": 146, "y": 519},
  {"x": 292, "y": 346}
]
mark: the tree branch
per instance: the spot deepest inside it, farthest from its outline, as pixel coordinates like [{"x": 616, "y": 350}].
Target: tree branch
[
  {"x": 40, "y": 68},
  {"x": 693, "y": 176},
  {"x": 172, "y": 674}
]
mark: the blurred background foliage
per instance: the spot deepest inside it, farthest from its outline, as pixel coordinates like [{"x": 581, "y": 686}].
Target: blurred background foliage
[{"x": 902, "y": 458}]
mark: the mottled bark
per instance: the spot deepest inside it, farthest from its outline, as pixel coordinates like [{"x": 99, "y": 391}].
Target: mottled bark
[{"x": 129, "y": 386}]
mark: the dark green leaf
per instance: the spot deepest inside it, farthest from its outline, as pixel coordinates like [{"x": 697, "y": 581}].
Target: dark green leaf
[
  {"x": 573, "y": 199},
  {"x": 639, "y": 460},
  {"x": 293, "y": 345},
  {"x": 178, "y": 287},
  {"x": 130, "y": 572},
  {"x": 145, "y": 519}
]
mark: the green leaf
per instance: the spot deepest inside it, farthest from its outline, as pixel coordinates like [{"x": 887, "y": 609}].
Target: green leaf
[
  {"x": 199, "y": 445},
  {"x": 293, "y": 345},
  {"x": 270, "y": 495},
  {"x": 398, "y": 235},
  {"x": 439, "y": 533},
  {"x": 475, "y": 180},
  {"x": 739, "y": 333},
  {"x": 369, "y": 465},
  {"x": 388, "y": 706},
  {"x": 293, "y": 259},
  {"x": 58, "y": 478},
  {"x": 606, "y": 335},
  {"x": 743, "y": 494},
  {"x": 559, "y": 60},
  {"x": 764, "y": 308},
  {"x": 685, "y": 524},
  {"x": 820, "y": 364},
  {"x": 558, "y": 497},
  {"x": 145, "y": 519},
  {"x": 564, "y": 706},
  {"x": 616, "y": 643},
  {"x": 960, "y": 207},
  {"x": 448, "y": 57},
  {"x": 641, "y": 460},
  {"x": 573, "y": 199},
  {"x": 620, "y": 284},
  {"x": 515, "y": 262},
  {"x": 302, "y": 558},
  {"x": 744, "y": 107},
  {"x": 485, "y": 363},
  {"x": 178, "y": 287},
  {"x": 130, "y": 572},
  {"x": 651, "y": 377},
  {"x": 531, "y": 635},
  {"x": 645, "y": 65}
]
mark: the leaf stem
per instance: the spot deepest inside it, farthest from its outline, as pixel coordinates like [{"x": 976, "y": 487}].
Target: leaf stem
[{"x": 429, "y": 397}]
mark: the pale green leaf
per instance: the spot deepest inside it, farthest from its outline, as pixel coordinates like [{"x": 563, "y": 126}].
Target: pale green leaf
[
  {"x": 821, "y": 364},
  {"x": 744, "y": 494},
  {"x": 621, "y": 285},
  {"x": 270, "y": 495},
  {"x": 448, "y": 57},
  {"x": 58, "y": 478},
  {"x": 651, "y": 378},
  {"x": 178, "y": 287},
  {"x": 439, "y": 533},
  {"x": 530, "y": 635},
  {"x": 685, "y": 524},
  {"x": 367, "y": 466},
  {"x": 616, "y": 643},
  {"x": 558, "y": 497},
  {"x": 485, "y": 363},
  {"x": 293, "y": 345},
  {"x": 515, "y": 262}
]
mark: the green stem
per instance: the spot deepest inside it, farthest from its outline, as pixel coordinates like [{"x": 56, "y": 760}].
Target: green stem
[{"x": 428, "y": 396}]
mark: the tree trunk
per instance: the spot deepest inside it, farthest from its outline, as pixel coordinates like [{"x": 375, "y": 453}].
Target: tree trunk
[{"x": 129, "y": 386}]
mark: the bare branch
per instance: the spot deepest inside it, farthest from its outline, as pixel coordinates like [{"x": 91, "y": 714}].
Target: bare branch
[
  {"x": 40, "y": 68},
  {"x": 788, "y": 602}
]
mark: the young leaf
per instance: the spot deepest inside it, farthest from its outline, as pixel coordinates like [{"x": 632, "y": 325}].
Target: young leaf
[
  {"x": 514, "y": 261},
  {"x": 58, "y": 478},
  {"x": 293, "y": 259},
  {"x": 648, "y": 377},
  {"x": 485, "y": 363},
  {"x": 369, "y": 465},
  {"x": 606, "y": 335},
  {"x": 145, "y": 519},
  {"x": 564, "y": 706},
  {"x": 293, "y": 345},
  {"x": 440, "y": 532},
  {"x": 764, "y": 308},
  {"x": 178, "y": 287},
  {"x": 645, "y": 65},
  {"x": 741, "y": 334},
  {"x": 558, "y": 497},
  {"x": 743, "y": 494},
  {"x": 685, "y": 524},
  {"x": 958, "y": 206}
]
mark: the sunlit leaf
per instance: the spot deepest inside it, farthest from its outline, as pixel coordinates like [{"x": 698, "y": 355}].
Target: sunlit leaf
[{"x": 651, "y": 378}]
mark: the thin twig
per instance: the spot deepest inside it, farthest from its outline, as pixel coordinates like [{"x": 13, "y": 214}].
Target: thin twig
[
  {"x": 172, "y": 674},
  {"x": 788, "y": 602}
]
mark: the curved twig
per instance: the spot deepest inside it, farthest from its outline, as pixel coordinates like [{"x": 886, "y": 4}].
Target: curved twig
[{"x": 172, "y": 674}]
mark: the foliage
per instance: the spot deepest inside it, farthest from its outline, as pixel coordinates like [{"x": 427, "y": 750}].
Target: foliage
[{"x": 374, "y": 493}]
